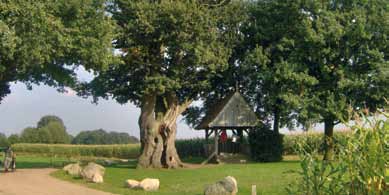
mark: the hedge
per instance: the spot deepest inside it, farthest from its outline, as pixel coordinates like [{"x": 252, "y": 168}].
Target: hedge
[
  {"x": 185, "y": 148},
  {"x": 125, "y": 151}
]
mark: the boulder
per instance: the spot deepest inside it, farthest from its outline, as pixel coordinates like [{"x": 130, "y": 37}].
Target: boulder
[
  {"x": 149, "y": 184},
  {"x": 97, "y": 178},
  {"x": 91, "y": 170},
  {"x": 133, "y": 184},
  {"x": 73, "y": 169},
  {"x": 226, "y": 186}
]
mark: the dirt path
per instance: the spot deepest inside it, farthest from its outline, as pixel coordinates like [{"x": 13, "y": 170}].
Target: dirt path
[{"x": 39, "y": 182}]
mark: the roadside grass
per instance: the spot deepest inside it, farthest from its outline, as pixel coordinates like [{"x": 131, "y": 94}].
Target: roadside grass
[{"x": 33, "y": 161}]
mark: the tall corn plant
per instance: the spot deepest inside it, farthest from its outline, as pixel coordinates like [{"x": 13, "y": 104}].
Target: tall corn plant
[
  {"x": 317, "y": 177},
  {"x": 366, "y": 155},
  {"x": 360, "y": 165}
]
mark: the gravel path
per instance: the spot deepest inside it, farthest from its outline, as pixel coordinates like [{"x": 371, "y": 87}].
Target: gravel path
[{"x": 39, "y": 182}]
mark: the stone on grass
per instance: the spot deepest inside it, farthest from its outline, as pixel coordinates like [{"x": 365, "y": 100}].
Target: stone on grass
[
  {"x": 97, "y": 178},
  {"x": 92, "y": 170},
  {"x": 133, "y": 184},
  {"x": 226, "y": 186},
  {"x": 149, "y": 184},
  {"x": 73, "y": 169}
]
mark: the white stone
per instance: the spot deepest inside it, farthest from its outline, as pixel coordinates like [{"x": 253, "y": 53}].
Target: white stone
[
  {"x": 92, "y": 169},
  {"x": 133, "y": 184},
  {"x": 226, "y": 186},
  {"x": 235, "y": 184},
  {"x": 97, "y": 178},
  {"x": 149, "y": 184},
  {"x": 73, "y": 169}
]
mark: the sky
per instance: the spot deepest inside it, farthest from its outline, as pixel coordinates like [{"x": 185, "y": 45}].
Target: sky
[{"x": 23, "y": 108}]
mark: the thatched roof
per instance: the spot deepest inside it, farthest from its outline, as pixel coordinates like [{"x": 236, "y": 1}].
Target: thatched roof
[{"x": 231, "y": 112}]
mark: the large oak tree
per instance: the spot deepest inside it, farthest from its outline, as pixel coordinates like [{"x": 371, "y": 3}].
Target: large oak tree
[
  {"x": 43, "y": 41},
  {"x": 345, "y": 47},
  {"x": 263, "y": 65},
  {"x": 276, "y": 82},
  {"x": 170, "y": 49}
]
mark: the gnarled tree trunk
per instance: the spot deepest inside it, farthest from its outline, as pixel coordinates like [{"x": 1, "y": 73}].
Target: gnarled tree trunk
[{"x": 158, "y": 126}]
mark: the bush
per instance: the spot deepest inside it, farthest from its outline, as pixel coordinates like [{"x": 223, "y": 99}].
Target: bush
[
  {"x": 265, "y": 145},
  {"x": 187, "y": 148},
  {"x": 127, "y": 151}
]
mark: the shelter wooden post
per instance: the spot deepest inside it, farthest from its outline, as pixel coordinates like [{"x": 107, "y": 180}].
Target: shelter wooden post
[
  {"x": 240, "y": 134},
  {"x": 216, "y": 142}
]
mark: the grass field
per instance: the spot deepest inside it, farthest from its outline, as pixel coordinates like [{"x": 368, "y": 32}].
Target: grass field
[{"x": 270, "y": 178}]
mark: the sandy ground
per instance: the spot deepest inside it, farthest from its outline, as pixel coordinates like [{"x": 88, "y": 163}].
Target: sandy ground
[{"x": 39, "y": 182}]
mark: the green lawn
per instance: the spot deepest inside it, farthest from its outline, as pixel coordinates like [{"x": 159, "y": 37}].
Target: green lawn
[{"x": 270, "y": 178}]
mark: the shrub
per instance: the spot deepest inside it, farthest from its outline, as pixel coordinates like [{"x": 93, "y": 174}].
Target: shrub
[
  {"x": 265, "y": 145},
  {"x": 191, "y": 147}
]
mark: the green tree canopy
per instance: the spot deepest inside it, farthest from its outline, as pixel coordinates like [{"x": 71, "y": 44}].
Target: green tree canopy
[
  {"x": 50, "y": 129},
  {"x": 276, "y": 83},
  {"x": 170, "y": 50},
  {"x": 45, "y": 120},
  {"x": 3, "y": 140},
  {"x": 14, "y": 138},
  {"x": 43, "y": 41},
  {"x": 101, "y": 136},
  {"x": 345, "y": 46},
  {"x": 263, "y": 66}
]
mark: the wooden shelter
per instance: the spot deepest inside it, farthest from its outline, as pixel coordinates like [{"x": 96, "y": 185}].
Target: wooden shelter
[{"x": 232, "y": 113}]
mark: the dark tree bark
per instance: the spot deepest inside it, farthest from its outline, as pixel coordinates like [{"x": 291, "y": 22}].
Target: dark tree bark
[
  {"x": 328, "y": 139},
  {"x": 158, "y": 126}
]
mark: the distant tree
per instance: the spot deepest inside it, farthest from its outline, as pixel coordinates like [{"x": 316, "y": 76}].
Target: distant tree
[
  {"x": 57, "y": 133},
  {"x": 42, "y": 41},
  {"x": 29, "y": 135},
  {"x": 171, "y": 49},
  {"x": 89, "y": 137},
  {"x": 44, "y": 135},
  {"x": 101, "y": 136},
  {"x": 3, "y": 140},
  {"x": 14, "y": 139},
  {"x": 45, "y": 120},
  {"x": 50, "y": 129}
]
